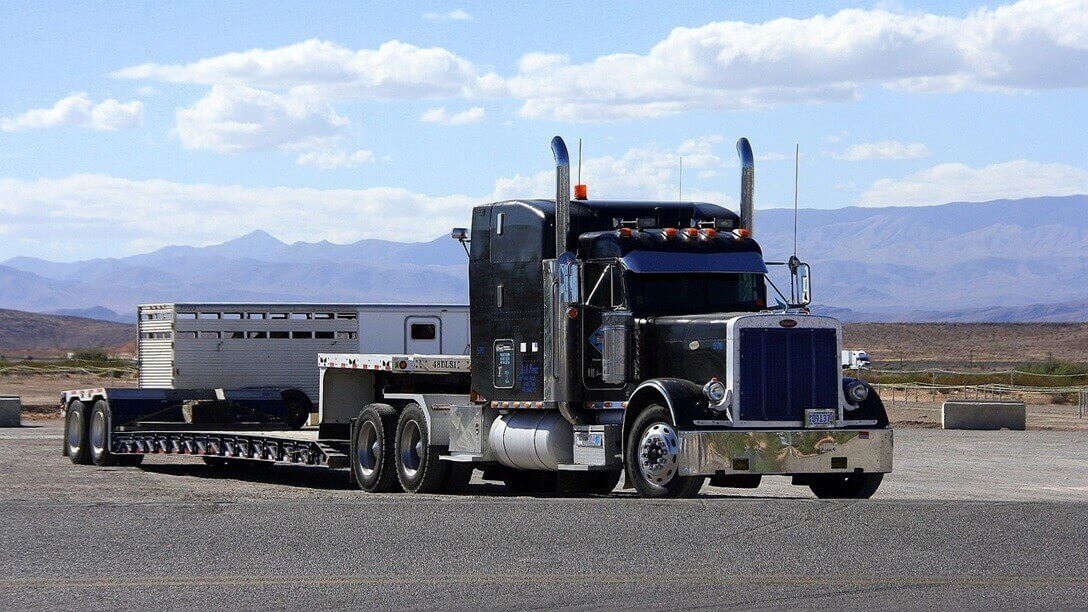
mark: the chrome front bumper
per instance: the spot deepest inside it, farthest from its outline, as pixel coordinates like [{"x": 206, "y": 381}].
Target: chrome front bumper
[{"x": 802, "y": 451}]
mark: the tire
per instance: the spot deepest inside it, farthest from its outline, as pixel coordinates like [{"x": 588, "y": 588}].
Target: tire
[
  {"x": 98, "y": 435},
  {"x": 650, "y": 457},
  {"x": 847, "y": 486},
  {"x": 419, "y": 468},
  {"x": 75, "y": 433},
  {"x": 531, "y": 482},
  {"x": 297, "y": 407},
  {"x": 372, "y": 464},
  {"x": 599, "y": 482}
]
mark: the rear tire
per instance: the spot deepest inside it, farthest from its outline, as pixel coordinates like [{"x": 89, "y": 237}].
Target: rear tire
[
  {"x": 847, "y": 486},
  {"x": 419, "y": 468},
  {"x": 99, "y": 435},
  {"x": 297, "y": 408},
  {"x": 99, "y": 432},
  {"x": 75, "y": 433},
  {"x": 373, "y": 443},
  {"x": 651, "y": 457}
]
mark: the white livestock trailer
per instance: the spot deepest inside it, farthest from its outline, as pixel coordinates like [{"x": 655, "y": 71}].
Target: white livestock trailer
[{"x": 208, "y": 345}]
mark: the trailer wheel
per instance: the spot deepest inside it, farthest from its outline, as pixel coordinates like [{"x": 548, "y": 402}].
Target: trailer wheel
[
  {"x": 651, "y": 457},
  {"x": 75, "y": 433},
  {"x": 847, "y": 486},
  {"x": 419, "y": 468},
  {"x": 99, "y": 435},
  {"x": 297, "y": 407},
  {"x": 372, "y": 442}
]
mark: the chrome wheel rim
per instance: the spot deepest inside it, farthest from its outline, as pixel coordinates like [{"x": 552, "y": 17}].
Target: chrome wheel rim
[
  {"x": 411, "y": 449},
  {"x": 75, "y": 429},
  {"x": 658, "y": 453},
  {"x": 367, "y": 449},
  {"x": 98, "y": 433}
]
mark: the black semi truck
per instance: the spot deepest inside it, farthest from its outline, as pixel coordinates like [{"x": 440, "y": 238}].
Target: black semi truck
[{"x": 607, "y": 338}]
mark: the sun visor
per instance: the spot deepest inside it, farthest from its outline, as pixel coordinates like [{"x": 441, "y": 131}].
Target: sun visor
[{"x": 648, "y": 262}]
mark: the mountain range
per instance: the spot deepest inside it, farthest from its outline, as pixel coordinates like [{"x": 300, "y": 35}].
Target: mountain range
[{"x": 1004, "y": 260}]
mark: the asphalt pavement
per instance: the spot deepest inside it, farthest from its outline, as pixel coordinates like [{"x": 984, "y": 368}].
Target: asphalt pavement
[{"x": 968, "y": 520}]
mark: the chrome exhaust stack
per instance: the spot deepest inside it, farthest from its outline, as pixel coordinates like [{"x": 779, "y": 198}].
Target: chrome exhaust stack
[
  {"x": 747, "y": 183},
  {"x": 562, "y": 194}
]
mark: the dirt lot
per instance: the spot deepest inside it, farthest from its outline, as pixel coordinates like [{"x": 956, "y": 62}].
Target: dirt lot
[
  {"x": 41, "y": 392},
  {"x": 961, "y": 343}
]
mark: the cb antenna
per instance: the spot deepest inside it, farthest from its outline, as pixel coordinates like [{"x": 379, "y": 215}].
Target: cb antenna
[
  {"x": 579, "y": 161},
  {"x": 796, "y": 164},
  {"x": 681, "y": 196}
]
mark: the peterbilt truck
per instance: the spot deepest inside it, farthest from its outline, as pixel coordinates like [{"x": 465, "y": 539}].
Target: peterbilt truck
[{"x": 607, "y": 339}]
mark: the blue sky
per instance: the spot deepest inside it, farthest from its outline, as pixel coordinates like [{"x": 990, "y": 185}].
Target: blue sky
[{"x": 145, "y": 124}]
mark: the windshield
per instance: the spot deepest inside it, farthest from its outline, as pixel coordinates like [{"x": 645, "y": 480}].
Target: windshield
[{"x": 696, "y": 293}]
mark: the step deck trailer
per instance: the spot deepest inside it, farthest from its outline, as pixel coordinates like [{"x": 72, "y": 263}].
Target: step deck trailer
[{"x": 123, "y": 425}]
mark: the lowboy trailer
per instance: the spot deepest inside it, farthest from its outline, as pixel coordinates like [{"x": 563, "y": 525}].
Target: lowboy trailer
[{"x": 606, "y": 338}]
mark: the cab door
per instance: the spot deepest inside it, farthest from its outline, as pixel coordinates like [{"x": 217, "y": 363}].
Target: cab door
[{"x": 423, "y": 335}]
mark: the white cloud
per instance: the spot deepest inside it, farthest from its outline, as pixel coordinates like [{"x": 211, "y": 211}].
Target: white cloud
[
  {"x": 454, "y": 15},
  {"x": 960, "y": 182},
  {"x": 443, "y": 117},
  {"x": 320, "y": 68},
  {"x": 128, "y": 214},
  {"x": 885, "y": 149},
  {"x": 1033, "y": 44},
  {"x": 650, "y": 172},
  {"x": 232, "y": 118},
  {"x": 329, "y": 160},
  {"x": 78, "y": 110}
]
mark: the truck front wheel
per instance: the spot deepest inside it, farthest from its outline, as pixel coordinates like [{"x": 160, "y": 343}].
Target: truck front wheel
[
  {"x": 851, "y": 486},
  {"x": 372, "y": 442},
  {"x": 651, "y": 457}
]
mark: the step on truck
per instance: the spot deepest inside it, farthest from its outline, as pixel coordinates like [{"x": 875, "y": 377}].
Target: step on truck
[{"x": 607, "y": 339}]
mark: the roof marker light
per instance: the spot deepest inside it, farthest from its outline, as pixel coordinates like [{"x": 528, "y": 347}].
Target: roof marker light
[
  {"x": 624, "y": 232},
  {"x": 710, "y": 232},
  {"x": 670, "y": 232},
  {"x": 691, "y": 232},
  {"x": 742, "y": 233}
]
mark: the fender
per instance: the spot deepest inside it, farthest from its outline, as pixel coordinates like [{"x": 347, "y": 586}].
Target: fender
[
  {"x": 683, "y": 398},
  {"x": 872, "y": 408}
]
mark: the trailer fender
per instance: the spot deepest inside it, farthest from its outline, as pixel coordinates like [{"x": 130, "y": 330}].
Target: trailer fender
[{"x": 683, "y": 399}]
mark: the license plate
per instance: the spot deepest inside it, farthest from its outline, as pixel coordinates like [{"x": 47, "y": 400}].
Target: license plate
[{"x": 819, "y": 417}]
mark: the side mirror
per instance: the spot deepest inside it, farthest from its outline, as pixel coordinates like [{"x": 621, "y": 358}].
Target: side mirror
[
  {"x": 460, "y": 234},
  {"x": 802, "y": 290}
]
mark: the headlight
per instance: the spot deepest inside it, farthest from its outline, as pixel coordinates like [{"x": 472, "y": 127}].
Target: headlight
[
  {"x": 857, "y": 391},
  {"x": 714, "y": 391}
]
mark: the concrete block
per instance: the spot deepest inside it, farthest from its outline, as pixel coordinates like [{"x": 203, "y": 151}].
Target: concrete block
[
  {"x": 11, "y": 411},
  {"x": 983, "y": 415}
]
